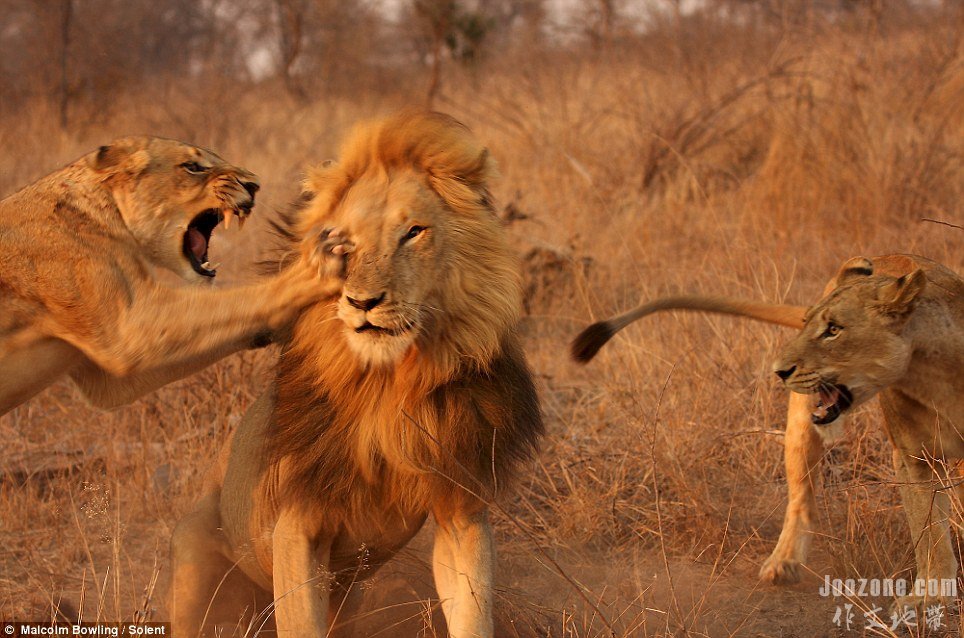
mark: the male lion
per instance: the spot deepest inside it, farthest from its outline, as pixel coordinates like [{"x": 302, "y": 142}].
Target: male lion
[
  {"x": 406, "y": 396},
  {"x": 78, "y": 287},
  {"x": 891, "y": 325}
]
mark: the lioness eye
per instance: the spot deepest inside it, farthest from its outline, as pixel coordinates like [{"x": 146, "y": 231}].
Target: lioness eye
[
  {"x": 412, "y": 233},
  {"x": 193, "y": 167},
  {"x": 832, "y": 330}
]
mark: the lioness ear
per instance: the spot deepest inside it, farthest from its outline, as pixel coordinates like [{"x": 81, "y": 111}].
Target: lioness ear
[
  {"x": 855, "y": 267},
  {"x": 900, "y": 296},
  {"x": 120, "y": 157}
]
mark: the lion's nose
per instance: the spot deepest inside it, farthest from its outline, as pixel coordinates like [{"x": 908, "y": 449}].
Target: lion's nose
[
  {"x": 785, "y": 373},
  {"x": 365, "y": 304},
  {"x": 251, "y": 187}
]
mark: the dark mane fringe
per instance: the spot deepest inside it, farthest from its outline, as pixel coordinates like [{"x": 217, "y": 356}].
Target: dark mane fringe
[
  {"x": 284, "y": 237},
  {"x": 464, "y": 440}
]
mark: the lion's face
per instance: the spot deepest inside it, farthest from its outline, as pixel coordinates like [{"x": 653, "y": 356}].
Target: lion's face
[
  {"x": 852, "y": 346},
  {"x": 401, "y": 236},
  {"x": 172, "y": 195}
]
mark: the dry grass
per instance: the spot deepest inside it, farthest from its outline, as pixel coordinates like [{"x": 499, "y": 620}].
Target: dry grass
[{"x": 659, "y": 489}]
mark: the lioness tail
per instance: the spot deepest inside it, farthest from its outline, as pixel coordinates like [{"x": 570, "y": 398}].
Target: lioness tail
[{"x": 588, "y": 342}]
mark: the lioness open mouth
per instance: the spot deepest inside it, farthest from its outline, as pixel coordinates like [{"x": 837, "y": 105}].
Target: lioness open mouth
[
  {"x": 832, "y": 401},
  {"x": 197, "y": 238},
  {"x": 380, "y": 330}
]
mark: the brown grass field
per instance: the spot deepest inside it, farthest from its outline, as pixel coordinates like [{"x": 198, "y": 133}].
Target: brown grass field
[{"x": 739, "y": 167}]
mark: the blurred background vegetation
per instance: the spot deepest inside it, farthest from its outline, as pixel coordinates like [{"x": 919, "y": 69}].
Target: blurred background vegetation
[{"x": 648, "y": 147}]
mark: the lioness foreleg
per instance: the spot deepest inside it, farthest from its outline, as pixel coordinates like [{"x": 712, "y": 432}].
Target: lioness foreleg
[
  {"x": 802, "y": 452},
  {"x": 170, "y": 333},
  {"x": 463, "y": 563},
  {"x": 107, "y": 391},
  {"x": 175, "y": 326}
]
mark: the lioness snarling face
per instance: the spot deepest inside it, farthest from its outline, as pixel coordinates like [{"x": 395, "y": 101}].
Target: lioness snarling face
[
  {"x": 892, "y": 327},
  {"x": 852, "y": 344},
  {"x": 406, "y": 397},
  {"x": 181, "y": 194},
  {"x": 79, "y": 255}
]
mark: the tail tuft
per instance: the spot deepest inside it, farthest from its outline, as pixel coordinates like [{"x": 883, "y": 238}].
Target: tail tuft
[{"x": 588, "y": 342}]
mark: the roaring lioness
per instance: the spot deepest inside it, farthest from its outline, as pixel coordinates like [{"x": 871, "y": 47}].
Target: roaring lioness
[
  {"x": 893, "y": 326},
  {"x": 406, "y": 396},
  {"x": 79, "y": 293}
]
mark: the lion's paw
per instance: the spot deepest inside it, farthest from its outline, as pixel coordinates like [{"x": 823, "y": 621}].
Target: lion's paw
[{"x": 781, "y": 571}]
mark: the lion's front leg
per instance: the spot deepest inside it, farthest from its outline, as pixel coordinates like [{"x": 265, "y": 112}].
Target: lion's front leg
[
  {"x": 300, "y": 577},
  {"x": 199, "y": 567},
  {"x": 802, "y": 451},
  {"x": 463, "y": 563}
]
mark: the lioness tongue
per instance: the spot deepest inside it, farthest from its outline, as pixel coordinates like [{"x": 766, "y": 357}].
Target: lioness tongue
[{"x": 197, "y": 243}]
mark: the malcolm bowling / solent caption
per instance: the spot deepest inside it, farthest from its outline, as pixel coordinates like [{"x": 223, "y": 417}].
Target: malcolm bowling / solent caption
[{"x": 112, "y": 630}]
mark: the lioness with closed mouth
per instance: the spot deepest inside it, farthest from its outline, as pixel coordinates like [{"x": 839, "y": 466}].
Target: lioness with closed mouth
[
  {"x": 79, "y": 254},
  {"x": 891, "y": 326}
]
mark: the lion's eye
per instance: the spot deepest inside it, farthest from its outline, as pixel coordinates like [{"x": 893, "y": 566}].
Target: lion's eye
[
  {"x": 194, "y": 167},
  {"x": 832, "y": 330},
  {"x": 412, "y": 233}
]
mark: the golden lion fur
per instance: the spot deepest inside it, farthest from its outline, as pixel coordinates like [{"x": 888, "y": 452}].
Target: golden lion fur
[{"x": 358, "y": 446}]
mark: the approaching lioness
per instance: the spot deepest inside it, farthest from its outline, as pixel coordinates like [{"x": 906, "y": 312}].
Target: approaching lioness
[
  {"x": 78, "y": 287},
  {"x": 893, "y": 326},
  {"x": 406, "y": 396}
]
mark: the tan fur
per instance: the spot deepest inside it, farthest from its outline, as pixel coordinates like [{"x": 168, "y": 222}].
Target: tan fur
[
  {"x": 365, "y": 433},
  {"x": 79, "y": 253},
  {"x": 902, "y": 338}
]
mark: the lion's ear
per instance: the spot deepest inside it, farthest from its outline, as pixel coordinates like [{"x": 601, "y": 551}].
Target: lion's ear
[
  {"x": 484, "y": 170},
  {"x": 899, "y": 297},
  {"x": 120, "y": 157},
  {"x": 468, "y": 185},
  {"x": 854, "y": 268}
]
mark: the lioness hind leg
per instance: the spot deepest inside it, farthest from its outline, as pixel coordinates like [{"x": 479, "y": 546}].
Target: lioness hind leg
[
  {"x": 206, "y": 587},
  {"x": 803, "y": 449},
  {"x": 928, "y": 508}
]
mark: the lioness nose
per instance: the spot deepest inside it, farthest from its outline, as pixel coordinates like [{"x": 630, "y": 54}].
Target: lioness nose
[
  {"x": 786, "y": 372},
  {"x": 367, "y": 303},
  {"x": 251, "y": 187}
]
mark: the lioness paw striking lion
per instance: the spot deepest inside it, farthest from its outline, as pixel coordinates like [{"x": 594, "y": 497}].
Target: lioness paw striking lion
[
  {"x": 408, "y": 396},
  {"x": 79, "y": 255},
  {"x": 892, "y": 327}
]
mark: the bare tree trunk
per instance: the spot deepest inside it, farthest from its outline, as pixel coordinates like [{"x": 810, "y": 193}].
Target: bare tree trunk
[
  {"x": 435, "y": 80},
  {"x": 291, "y": 19},
  {"x": 437, "y": 17},
  {"x": 67, "y": 17}
]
